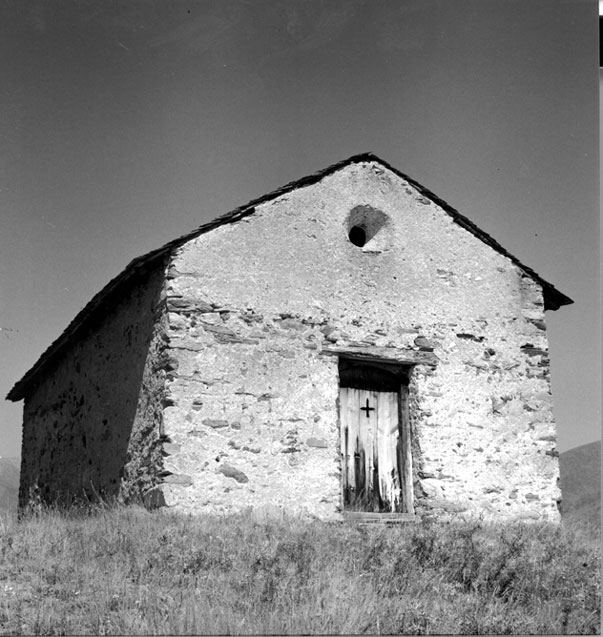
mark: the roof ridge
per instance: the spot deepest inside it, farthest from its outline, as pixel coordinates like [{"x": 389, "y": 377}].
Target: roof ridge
[{"x": 553, "y": 298}]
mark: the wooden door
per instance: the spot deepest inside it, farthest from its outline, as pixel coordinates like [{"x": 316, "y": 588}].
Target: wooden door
[{"x": 370, "y": 445}]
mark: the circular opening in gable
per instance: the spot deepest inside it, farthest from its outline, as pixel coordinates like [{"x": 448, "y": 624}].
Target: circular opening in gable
[
  {"x": 364, "y": 223},
  {"x": 357, "y": 236}
]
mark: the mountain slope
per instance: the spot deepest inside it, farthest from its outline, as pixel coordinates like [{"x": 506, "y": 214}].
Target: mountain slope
[
  {"x": 9, "y": 484},
  {"x": 581, "y": 483}
]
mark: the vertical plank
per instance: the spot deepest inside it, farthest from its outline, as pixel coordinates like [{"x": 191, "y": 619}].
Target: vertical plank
[
  {"x": 363, "y": 448},
  {"x": 392, "y": 445},
  {"x": 381, "y": 416},
  {"x": 387, "y": 428},
  {"x": 404, "y": 453},
  {"x": 368, "y": 428},
  {"x": 350, "y": 428},
  {"x": 375, "y": 495},
  {"x": 355, "y": 450},
  {"x": 344, "y": 445},
  {"x": 353, "y": 453}
]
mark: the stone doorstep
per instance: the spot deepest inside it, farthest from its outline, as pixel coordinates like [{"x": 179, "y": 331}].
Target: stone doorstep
[{"x": 363, "y": 518}]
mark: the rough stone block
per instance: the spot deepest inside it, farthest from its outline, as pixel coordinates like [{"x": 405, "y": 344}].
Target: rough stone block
[
  {"x": 317, "y": 442},
  {"x": 215, "y": 423},
  {"x": 154, "y": 498},
  {"x": 232, "y": 472},
  {"x": 171, "y": 448},
  {"x": 175, "y": 478}
]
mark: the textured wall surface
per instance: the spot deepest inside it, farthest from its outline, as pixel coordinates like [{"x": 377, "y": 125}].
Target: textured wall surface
[
  {"x": 93, "y": 423},
  {"x": 251, "y": 394}
]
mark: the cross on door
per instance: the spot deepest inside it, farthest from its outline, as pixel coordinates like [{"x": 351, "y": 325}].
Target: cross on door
[{"x": 367, "y": 408}]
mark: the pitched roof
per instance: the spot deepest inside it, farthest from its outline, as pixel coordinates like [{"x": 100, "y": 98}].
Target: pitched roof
[{"x": 553, "y": 299}]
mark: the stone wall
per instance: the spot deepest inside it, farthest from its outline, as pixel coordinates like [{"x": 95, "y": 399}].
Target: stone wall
[
  {"x": 253, "y": 417},
  {"x": 492, "y": 446},
  {"x": 92, "y": 424}
]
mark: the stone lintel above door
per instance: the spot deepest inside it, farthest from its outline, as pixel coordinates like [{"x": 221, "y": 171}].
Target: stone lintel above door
[{"x": 386, "y": 354}]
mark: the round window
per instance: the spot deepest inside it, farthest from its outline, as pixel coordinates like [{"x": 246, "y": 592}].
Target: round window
[
  {"x": 363, "y": 224},
  {"x": 357, "y": 236}
]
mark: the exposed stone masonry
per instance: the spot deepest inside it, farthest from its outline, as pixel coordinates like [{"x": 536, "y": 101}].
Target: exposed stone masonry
[
  {"x": 264, "y": 440},
  {"x": 253, "y": 388},
  {"x": 212, "y": 385},
  {"x": 92, "y": 426}
]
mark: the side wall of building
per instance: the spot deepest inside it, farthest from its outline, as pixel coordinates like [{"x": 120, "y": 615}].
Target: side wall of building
[
  {"x": 253, "y": 308},
  {"x": 91, "y": 427}
]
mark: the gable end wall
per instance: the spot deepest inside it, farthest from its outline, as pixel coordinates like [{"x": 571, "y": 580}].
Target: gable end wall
[{"x": 253, "y": 419}]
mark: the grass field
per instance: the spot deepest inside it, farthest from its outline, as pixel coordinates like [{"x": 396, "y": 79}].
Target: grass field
[{"x": 128, "y": 571}]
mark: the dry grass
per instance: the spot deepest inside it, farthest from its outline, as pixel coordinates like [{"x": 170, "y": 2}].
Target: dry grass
[{"x": 128, "y": 571}]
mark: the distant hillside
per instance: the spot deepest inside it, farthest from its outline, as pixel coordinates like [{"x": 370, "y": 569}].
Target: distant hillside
[
  {"x": 9, "y": 484},
  {"x": 581, "y": 483}
]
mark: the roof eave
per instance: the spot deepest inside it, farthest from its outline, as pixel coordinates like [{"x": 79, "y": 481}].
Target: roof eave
[{"x": 553, "y": 299}]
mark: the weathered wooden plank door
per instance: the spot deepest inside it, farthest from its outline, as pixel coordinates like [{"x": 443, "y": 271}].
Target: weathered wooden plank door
[{"x": 370, "y": 449}]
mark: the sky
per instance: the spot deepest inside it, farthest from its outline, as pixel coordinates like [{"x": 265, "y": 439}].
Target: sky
[{"x": 126, "y": 124}]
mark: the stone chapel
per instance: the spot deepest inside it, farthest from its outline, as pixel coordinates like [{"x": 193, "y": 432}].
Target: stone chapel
[{"x": 348, "y": 345}]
